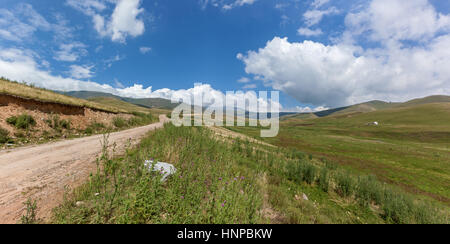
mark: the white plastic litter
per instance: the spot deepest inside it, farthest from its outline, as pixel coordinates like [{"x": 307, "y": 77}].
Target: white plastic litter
[{"x": 164, "y": 168}]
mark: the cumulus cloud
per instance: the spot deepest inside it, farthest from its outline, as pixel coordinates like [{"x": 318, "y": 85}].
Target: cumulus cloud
[
  {"x": 124, "y": 21},
  {"x": 346, "y": 73},
  {"x": 394, "y": 20},
  {"x": 299, "y": 109},
  {"x": 23, "y": 65}
]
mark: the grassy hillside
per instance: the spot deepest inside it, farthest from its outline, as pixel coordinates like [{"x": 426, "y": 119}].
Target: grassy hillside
[
  {"x": 157, "y": 103},
  {"x": 299, "y": 116},
  {"x": 30, "y": 92},
  {"x": 426, "y": 100},
  {"x": 229, "y": 181},
  {"x": 365, "y": 107},
  {"x": 372, "y": 106},
  {"x": 410, "y": 148}
]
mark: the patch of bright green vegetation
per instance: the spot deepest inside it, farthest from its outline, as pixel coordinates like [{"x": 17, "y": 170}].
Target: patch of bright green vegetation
[
  {"x": 231, "y": 181},
  {"x": 4, "y": 136},
  {"x": 56, "y": 123},
  {"x": 142, "y": 119},
  {"x": 410, "y": 148},
  {"x": 23, "y": 121}
]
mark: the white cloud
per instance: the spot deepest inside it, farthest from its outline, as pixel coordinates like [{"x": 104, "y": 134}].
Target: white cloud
[
  {"x": 395, "y": 20},
  {"x": 124, "y": 21},
  {"x": 313, "y": 17},
  {"x": 70, "y": 52},
  {"x": 244, "y": 80},
  {"x": 145, "y": 50},
  {"x": 339, "y": 75},
  {"x": 347, "y": 72},
  {"x": 21, "y": 65},
  {"x": 81, "y": 72},
  {"x": 225, "y": 4},
  {"x": 238, "y": 3},
  {"x": 319, "y": 3},
  {"x": 20, "y": 23},
  {"x": 309, "y": 110},
  {"x": 309, "y": 32}
]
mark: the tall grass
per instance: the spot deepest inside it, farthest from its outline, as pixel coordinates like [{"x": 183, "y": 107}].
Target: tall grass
[
  {"x": 209, "y": 186},
  {"x": 222, "y": 182},
  {"x": 4, "y": 136}
]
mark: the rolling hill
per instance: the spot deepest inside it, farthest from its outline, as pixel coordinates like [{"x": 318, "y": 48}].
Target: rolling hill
[
  {"x": 143, "y": 102},
  {"x": 370, "y": 106},
  {"x": 25, "y": 91}
]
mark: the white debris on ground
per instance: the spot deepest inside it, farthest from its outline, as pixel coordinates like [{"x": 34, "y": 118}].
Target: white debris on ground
[
  {"x": 373, "y": 123},
  {"x": 305, "y": 197},
  {"x": 165, "y": 168}
]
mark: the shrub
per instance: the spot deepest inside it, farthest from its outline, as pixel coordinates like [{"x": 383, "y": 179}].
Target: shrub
[
  {"x": 301, "y": 171},
  {"x": 368, "y": 190},
  {"x": 24, "y": 121},
  {"x": 12, "y": 120},
  {"x": 65, "y": 124},
  {"x": 56, "y": 123},
  {"x": 309, "y": 173},
  {"x": 4, "y": 135},
  {"x": 324, "y": 180},
  {"x": 344, "y": 184},
  {"x": 397, "y": 207},
  {"x": 89, "y": 131},
  {"x": 119, "y": 122}
]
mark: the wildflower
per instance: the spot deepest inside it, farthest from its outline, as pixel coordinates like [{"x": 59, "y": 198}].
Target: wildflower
[
  {"x": 182, "y": 197},
  {"x": 220, "y": 178},
  {"x": 242, "y": 178}
]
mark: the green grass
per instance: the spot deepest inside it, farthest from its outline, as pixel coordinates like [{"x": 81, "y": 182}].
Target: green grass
[
  {"x": 410, "y": 148},
  {"x": 232, "y": 181},
  {"x": 4, "y": 136},
  {"x": 23, "y": 121},
  {"x": 126, "y": 106}
]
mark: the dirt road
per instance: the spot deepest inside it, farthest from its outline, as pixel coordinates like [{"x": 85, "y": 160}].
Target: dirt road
[{"x": 42, "y": 172}]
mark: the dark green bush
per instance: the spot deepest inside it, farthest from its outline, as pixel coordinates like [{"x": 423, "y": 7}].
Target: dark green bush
[
  {"x": 369, "y": 190},
  {"x": 324, "y": 180},
  {"x": 345, "y": 184},
  {"x": 119, "y": 122},
  {"x": 24, "y": 121},
  {"x": 4, "y": 136},
  {"x": 301, "y": 171},
  {"x": 57, "y": 124}
]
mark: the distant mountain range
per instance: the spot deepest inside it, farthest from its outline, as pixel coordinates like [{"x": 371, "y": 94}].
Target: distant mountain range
[
  {"x": 370, "y": 107},
  {"x": 159, "y": 103}
]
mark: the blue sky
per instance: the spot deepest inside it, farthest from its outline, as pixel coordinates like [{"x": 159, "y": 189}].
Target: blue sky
[{"x": 318, "y": 53}]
